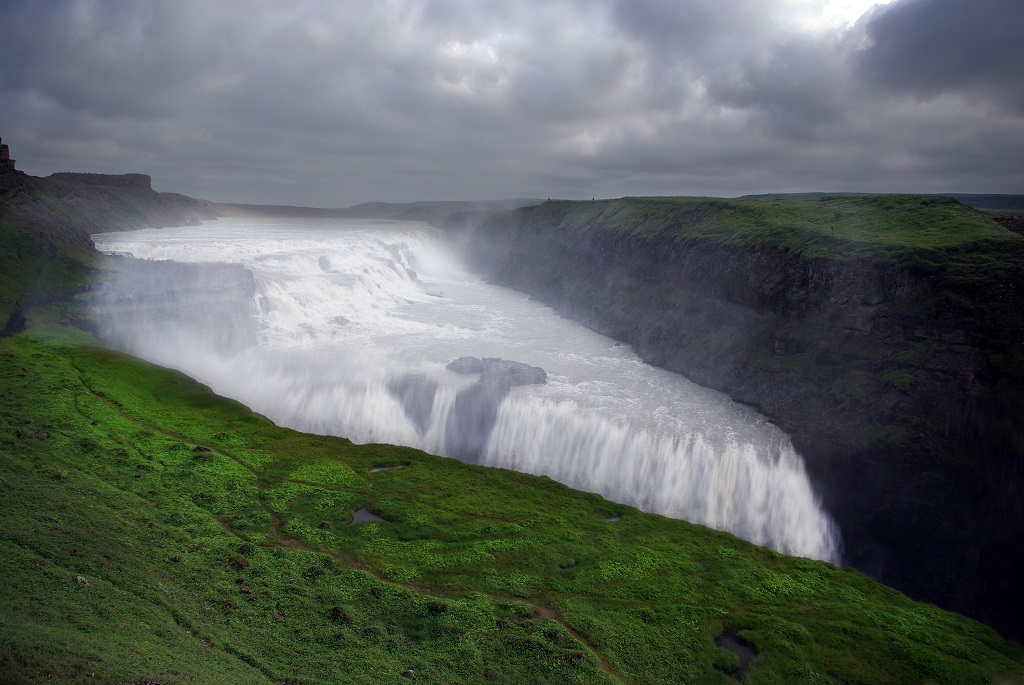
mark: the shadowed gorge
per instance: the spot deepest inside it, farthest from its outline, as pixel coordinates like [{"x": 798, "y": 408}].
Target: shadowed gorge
[{"x": 884, "y": 333}]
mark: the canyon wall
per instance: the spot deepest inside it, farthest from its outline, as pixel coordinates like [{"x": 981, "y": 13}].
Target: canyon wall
[{"x": 894, "y": 359}]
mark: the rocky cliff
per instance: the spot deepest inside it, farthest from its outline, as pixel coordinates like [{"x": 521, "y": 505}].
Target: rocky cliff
[
  {"x": 83, "y": 203},
  {"x": 94, "y": 203},
  {"x": 45, "y": 224},
  {"x": 884, "y": 334},
  {"x": 10, "y": 178}
]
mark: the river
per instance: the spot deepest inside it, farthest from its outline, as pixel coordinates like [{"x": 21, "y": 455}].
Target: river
[{"x": 374, "y": 330}]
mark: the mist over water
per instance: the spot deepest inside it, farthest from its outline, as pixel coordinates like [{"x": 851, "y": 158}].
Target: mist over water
[{"x": 351, "y": 328}]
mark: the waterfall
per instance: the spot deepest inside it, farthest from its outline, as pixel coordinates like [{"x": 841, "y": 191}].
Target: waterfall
[
  {"x": 375, "y": 332},
  {"x": 759, "y": 492}
]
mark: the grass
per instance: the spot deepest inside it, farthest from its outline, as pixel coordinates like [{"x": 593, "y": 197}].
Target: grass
[
  {"x": 217, "y": 548},
  {"x": 883, "y": 227},
  {"x": 40, "y": 265}
]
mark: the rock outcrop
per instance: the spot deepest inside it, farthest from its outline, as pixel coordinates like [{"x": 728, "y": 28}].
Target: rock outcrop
[
  {"x": 97, "y": 203},
  {"x": 85, "y": 203},
  {"x": 46, "y": 223},
  {"x": 10, "y": 178},
  {"x": 475, "y": 411}
]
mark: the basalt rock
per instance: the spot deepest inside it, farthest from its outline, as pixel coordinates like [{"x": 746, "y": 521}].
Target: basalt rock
[
  {"x": 416, "y": 394},
  {"x": 11, "y": 180},
  {"x": 499, "y": 372},
  {"x": 475, "y": 411}
]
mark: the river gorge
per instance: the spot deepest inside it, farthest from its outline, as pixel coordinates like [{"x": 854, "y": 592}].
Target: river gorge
[{"x": 375, "y": 331}]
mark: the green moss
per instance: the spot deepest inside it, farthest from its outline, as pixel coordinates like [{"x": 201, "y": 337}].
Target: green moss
[
  {"x": 325, "y": 473},
  {"x": 226, "y": 573}
]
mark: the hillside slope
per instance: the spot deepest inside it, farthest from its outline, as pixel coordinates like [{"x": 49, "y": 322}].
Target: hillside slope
[
  {"x": 885, "y": 333},
  {"x": 153, "y": 530}
]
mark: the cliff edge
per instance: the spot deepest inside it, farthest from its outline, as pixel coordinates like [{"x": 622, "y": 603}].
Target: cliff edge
[
  {"x": 884, "y": 333},
  {"x": 45, "y": 224}
]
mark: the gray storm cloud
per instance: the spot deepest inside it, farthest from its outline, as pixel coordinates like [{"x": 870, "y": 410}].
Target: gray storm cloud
[
  {"x": 930, "y": 47},
  {"x": 329, "y": 104}
]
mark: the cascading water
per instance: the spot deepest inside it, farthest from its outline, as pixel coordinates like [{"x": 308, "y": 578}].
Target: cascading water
[{"x": 374, "y": 331}]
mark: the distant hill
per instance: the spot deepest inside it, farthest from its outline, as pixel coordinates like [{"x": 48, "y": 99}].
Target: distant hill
[
  {"x": 406, "y": 211},
  {"x": 988, "y": 202}
]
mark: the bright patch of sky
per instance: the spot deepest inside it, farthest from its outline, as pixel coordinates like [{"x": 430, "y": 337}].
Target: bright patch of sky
[{"x": 821, "y": 15}]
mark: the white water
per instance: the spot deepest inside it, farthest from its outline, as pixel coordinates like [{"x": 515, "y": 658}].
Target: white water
[{"x": 603, "y": 422}]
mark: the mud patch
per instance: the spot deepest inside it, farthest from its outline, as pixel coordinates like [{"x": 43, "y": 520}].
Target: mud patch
[
  {"x": 378, "y": 469},
  {"x": 744, "y": 651}
]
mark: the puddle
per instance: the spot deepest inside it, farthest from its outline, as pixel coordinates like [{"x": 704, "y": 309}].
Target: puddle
[
  {"x": 613, "y": 519},
  {"x": 743, "y": 650},
  {"x": 363, "y": 515},
  {"x": 378, "y": 469}
]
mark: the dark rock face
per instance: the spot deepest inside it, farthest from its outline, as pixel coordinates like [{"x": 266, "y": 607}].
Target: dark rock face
[
  {"x": 16, "y": 323},
  {"x": 499, "y": 372},
  {"x": 475, "y": 411},
  {"x": 890, "y": 378},
  {"x": 11, "y": 180},
  {"x": 144, "y": 298},
  {"x": 416, "y": 393},
  {"x": 472, "y": 419}
]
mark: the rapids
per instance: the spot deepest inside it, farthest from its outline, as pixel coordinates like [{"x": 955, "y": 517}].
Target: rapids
[{"x": 352, "y": 327}]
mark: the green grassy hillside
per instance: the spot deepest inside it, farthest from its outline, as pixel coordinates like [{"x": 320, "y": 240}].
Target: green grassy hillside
[
  {"x": 882, "y": 227},
  {"x": 218, "y": 547}
]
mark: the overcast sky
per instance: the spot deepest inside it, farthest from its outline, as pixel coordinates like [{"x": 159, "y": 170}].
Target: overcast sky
[{"x": 332, "y": 103}]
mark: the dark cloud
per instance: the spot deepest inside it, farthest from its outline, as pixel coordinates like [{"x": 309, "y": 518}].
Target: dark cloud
[
  {"x": 331, "y": 103},
  {"x": 799, "y": 89},
  {"x": 935, "y": 46}
]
